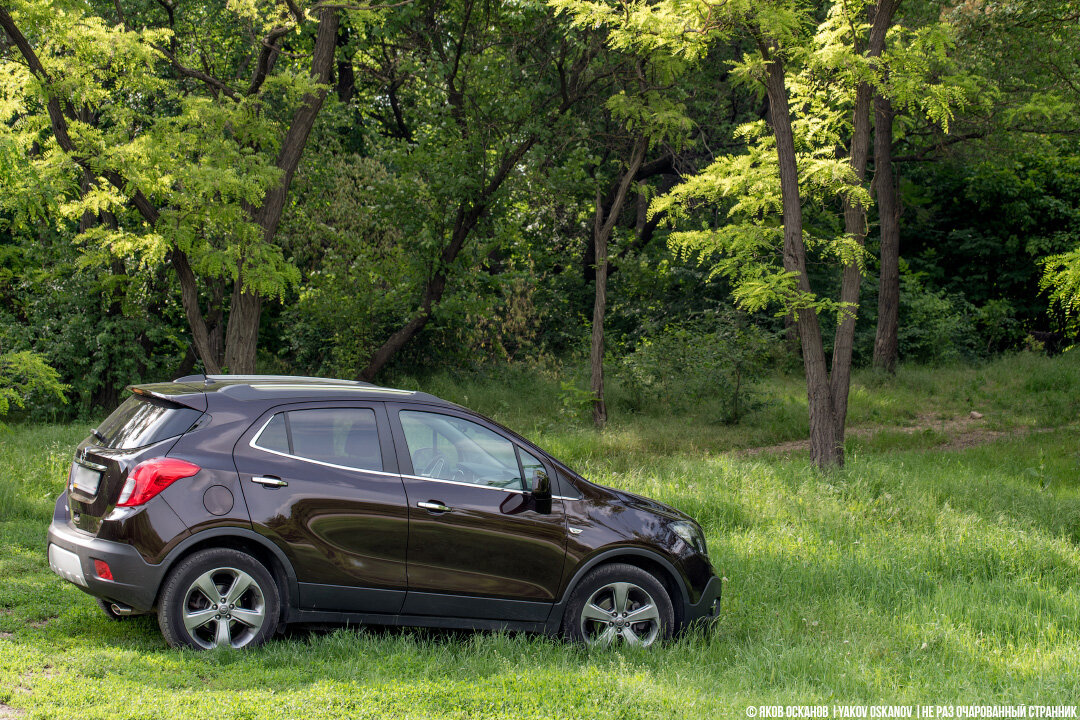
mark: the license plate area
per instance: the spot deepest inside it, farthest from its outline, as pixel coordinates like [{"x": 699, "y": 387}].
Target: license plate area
[{"x": 85, "y": 479}]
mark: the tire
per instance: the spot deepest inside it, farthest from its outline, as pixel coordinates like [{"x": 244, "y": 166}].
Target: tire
[
  {"x": 603, "y": 606},
  {"x": 244, "y": 613}
]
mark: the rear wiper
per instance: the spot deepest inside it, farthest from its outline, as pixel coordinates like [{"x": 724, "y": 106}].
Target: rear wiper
[{"x": 97, "y": 434}]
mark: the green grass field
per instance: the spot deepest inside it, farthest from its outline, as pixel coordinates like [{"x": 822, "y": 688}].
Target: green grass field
[{"x": 940, "y": 566}]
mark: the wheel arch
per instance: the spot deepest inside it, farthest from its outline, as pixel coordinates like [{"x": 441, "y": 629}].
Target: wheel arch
[
  {"x": 651, "y": 562},
  {"x": 243, "y": 540}
]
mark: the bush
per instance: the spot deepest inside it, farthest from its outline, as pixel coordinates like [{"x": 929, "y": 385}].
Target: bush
[
  {"x": 935, "y": 327},
  {"x": 709, "y": 361}
]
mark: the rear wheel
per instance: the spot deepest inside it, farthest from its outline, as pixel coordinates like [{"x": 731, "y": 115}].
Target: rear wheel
[
  {"x": 218, "y": 598},
  {"x": 619, "y": 604}
]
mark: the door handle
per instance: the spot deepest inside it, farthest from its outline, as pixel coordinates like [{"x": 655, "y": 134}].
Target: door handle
[
  {"x": 434, "y": 506},
  {"x": 269, "y": 481}
]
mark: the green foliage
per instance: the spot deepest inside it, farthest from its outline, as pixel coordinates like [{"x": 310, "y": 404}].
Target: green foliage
[
  {"x": 23, "y": 374},
  {"x": 997, "y": 230},
  {"x": 935, "y": 327},
  {"x": 719, "y": 355},
  {"x": 202, "y": 152},
  {"x": 1061, "y": 280}
]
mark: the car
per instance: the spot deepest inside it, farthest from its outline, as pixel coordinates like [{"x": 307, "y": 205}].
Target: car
[{"x": 233, "y": 505}]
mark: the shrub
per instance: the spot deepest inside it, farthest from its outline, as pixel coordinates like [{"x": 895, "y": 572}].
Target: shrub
[
  {"x": 935, "y": 327},
  {"x": 709, "y": 361}
]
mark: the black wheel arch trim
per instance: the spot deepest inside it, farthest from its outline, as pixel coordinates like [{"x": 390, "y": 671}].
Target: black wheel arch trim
[
  {"x": 289, "y": 603},
  {"x": 554, "y": 622}
]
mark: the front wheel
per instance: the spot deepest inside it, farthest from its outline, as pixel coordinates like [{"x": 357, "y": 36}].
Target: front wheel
[
  {"x": 218, "y": 598},
  {"x": 619, "y": 604}
]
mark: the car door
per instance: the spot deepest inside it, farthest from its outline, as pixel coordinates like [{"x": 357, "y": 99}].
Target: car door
[
  {"x": 320, "y": 480},
  {"x": 480, "y": 546}
]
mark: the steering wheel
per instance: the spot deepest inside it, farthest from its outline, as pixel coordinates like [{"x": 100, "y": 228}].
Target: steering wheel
[
  {"x": 465, "y": 475},
  {"x": 435, "y": 466}
]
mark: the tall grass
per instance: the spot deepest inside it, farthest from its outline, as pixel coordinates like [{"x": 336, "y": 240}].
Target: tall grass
[{"x": 917, "y": 574}]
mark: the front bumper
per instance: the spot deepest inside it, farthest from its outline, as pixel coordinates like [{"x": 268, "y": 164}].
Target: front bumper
[
  {"x": 708, "y": 605},
  {"x": 72, "y": 554}
]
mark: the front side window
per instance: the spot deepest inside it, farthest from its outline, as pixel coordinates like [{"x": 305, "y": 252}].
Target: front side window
[
  {"x": 444, "y": 447},
  {"x": 338, "y": 436}
]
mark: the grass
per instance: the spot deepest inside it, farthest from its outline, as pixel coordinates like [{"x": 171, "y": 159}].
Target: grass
[{"x": 925, "y": 572}]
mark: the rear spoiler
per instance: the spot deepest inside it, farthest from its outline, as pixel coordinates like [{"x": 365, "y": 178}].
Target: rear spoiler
[{"x": 173, "y": 393}]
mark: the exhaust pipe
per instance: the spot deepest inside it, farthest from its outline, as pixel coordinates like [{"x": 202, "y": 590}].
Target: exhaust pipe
[{"x": 122, "y": 610}]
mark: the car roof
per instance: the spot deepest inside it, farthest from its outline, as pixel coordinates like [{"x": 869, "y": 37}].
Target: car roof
[{"x": 280, "y": 387}]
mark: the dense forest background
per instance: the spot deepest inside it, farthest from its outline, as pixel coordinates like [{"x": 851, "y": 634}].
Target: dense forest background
[{"x": 380, "y": 191}]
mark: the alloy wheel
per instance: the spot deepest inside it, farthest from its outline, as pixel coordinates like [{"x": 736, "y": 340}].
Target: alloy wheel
[
  {"x": 620, "y": 612},
  {"x": 224, "y": 607}
]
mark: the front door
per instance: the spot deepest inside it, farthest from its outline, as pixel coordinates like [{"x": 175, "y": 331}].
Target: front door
[
  {"x": 479, "y": 546},
  {"x": 321, "y": 482}
]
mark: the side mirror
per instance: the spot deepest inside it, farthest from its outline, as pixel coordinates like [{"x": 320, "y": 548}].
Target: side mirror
[{"x": 540, "y": 489}]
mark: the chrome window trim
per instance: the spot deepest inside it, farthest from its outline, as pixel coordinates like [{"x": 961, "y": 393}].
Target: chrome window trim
[
  {"x": 254, "y": 446},
  {"x": 254, "y": 440}
]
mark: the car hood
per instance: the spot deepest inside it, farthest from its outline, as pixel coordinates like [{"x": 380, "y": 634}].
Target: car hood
[{"x": 639, "y": 502}]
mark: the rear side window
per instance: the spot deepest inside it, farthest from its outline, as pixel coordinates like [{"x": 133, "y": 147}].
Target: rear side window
[
  {"x": 339, "y": 436},
  {"x": 142, "y": 421}
]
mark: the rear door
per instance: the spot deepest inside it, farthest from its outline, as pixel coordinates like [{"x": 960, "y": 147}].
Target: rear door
[
  {"x": 142, "y": 427},
  {"x": 320, "y": 481},
  {"x": 479, "y": 546}
]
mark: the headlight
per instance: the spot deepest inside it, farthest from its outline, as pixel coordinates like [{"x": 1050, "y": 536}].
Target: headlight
[{"x": 692, "y": 535}]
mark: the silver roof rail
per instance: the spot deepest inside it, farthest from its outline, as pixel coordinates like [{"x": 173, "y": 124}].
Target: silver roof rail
[{"x": 270, "y": 378}]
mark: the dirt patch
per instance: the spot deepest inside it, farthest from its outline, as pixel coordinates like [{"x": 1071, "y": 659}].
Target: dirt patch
[
  {"x": 961, "y": 433},
  {"x": 6, "y": 635},
  {"x": 41, "y": 623},
  {"x": 9, "y": 713}
]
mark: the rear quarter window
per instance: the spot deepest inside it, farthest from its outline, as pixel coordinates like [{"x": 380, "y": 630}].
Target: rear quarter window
[{"x": 142, "y": 421}]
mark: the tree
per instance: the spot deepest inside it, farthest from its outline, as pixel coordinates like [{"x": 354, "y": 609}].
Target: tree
[
  {"x": 472, "y": 91},
  {"x": 768, "y": 264},
  {"x": 648, "y": 109},
  {"x": 153, "y": 134}
]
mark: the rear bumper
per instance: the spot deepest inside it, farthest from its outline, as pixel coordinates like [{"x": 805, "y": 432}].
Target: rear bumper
[
  {"x": 71, "y": 556},
  {"x": 708, "y": 605}
]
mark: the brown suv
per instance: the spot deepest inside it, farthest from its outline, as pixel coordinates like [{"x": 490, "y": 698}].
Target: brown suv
[{"x": 232, "y": 505}]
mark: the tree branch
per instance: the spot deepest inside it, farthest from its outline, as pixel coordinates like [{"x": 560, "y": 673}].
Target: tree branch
[{"x": 215, "y": 86}]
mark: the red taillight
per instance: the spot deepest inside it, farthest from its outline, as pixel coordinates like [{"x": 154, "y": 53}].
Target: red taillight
[
  {"x": 101, "y": 568},
  {"x": 149, "y": 478}
]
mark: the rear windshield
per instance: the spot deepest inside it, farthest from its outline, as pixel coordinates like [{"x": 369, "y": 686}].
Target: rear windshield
[{"x": 143, "y": 421}]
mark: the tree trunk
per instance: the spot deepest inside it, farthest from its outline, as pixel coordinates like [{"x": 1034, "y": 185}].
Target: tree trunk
[
  {"x": 855, "y": 225},
  {"x": 886, "y": 345},
  {"x": 242, "y": 332},
  {"x": 602, "y": 229},
  {"x": 189, "y": 298},
  {"x": 596, "y": 347},
  {"x": 826, "y": 449},
  {"x": 851, "y": 278},
  {"x": 215, "y": 321}
]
